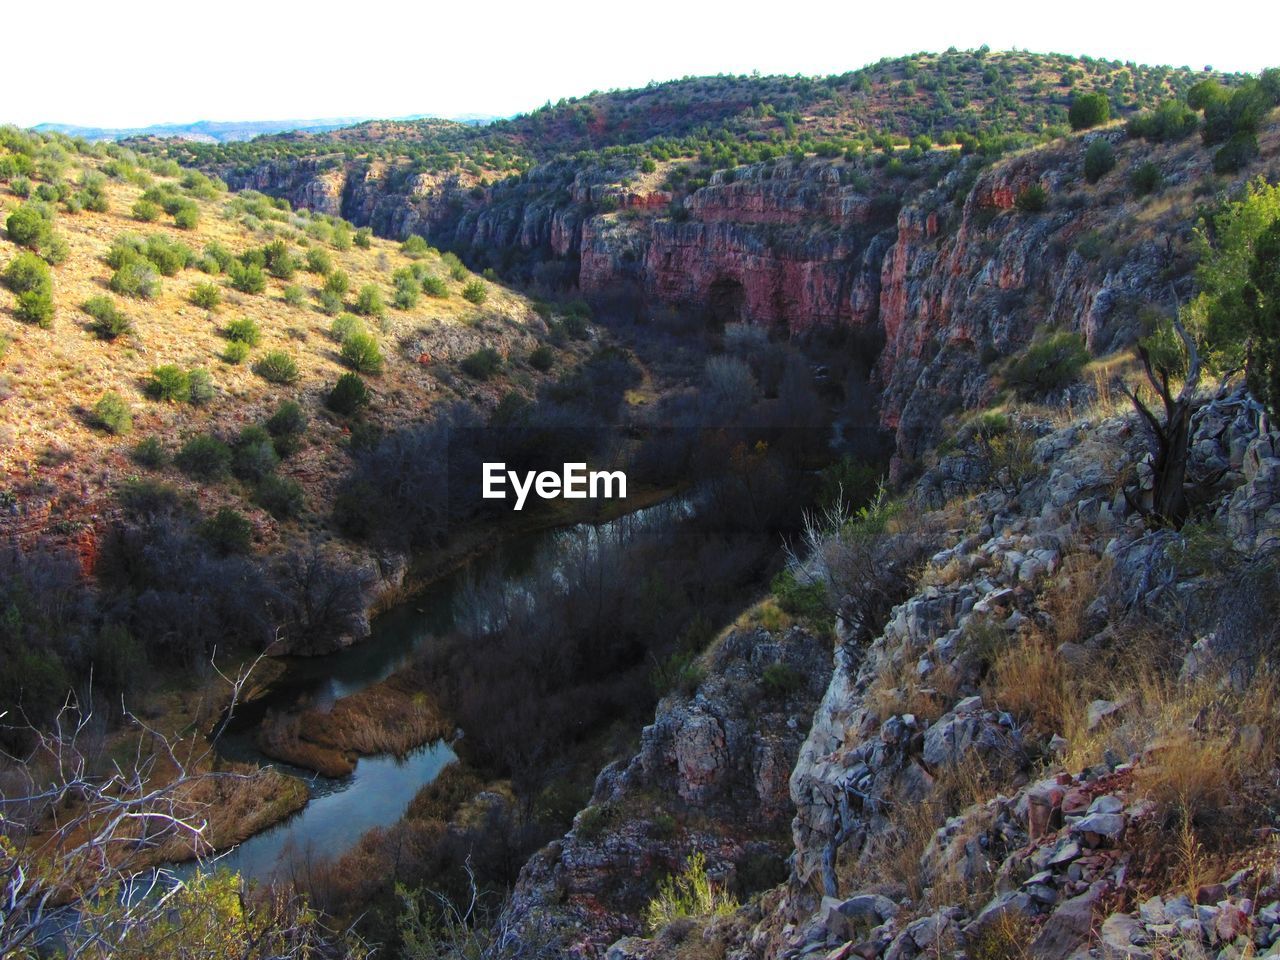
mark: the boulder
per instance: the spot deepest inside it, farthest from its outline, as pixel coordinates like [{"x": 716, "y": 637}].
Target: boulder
[{"x": 1068, "y": 928}]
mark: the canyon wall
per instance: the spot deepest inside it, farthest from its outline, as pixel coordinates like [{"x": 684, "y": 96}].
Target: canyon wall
[{"x": 940, "y": 264}]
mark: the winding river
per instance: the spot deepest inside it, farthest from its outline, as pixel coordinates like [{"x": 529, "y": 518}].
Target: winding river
[{"x": 377, "y": 793}]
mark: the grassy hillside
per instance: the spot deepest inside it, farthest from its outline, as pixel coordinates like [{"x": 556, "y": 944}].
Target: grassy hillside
[
  {"x": 62, "y": 464},
  {"x": 938, "y": 95}
]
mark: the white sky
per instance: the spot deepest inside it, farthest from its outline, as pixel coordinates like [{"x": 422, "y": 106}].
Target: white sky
[{"x": 138, "y": 62}]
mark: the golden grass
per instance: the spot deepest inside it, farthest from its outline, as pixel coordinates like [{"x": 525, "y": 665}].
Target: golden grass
[
  {"x": 56, "y": 375},
  {"x": 393, "y": 716}
]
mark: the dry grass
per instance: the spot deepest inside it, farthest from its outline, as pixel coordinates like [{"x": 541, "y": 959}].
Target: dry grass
[
  {"x": 393, "y": 716},
  {"x": 1031, "y": 678},
  {"x": 236, "y": 808},
  {"x": 56, "y": 375},
  {"x": 898, "y": 689},
  {"x": 899, "y": 859}
]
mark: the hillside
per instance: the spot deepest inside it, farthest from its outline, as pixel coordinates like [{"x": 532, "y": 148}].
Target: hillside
[
  {"x": 63, "y": 472},
  {"x": 203, "y": 131},
  {"x": 980, "y": 93}
]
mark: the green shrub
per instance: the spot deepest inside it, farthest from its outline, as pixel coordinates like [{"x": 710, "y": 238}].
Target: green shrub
[
  {"x": 112, "y": 414},
  {"x": 364, "y": 238},
  {"x": 204, "y": 457},
  {"x": 1032, "y": 199},
  {"x": 166, "y": 256},
  {"x": 137, "y": 279},
  {"x": 406, "y": 293},
  {"x": 345, "y": 325},
  {"x": 475, "y": 292},
  {"x": 369, "y": 301},
  {"x": 169, "y": 383},
  {"x": 1172, "y": 120},
  {"x": 691, "y": 894},
  {"x": 361, "y": 353},
  {"x": 245, "y": 330},
  {"x": 149, "y": 452},
  {"x": 28, "y": 277},
  {"x": 541, "y": 358},
  {"x": 1262, "y": 370},
  {"x": 681, "y": 672},
  {"x": 1145, "y": 178},
  {"x": 807, "y": 598},
  {"x": 348, "y": 395},
  {"x": 52, "y": 192},
  {"x": 1092, "y": 245},
  {"x": 108, "y": 322},
  {"x": 21, "y": 187},
  {"x": 31, "y": 226},
  {"x": 227, "y": 532},
  {"x": 93, "y": 193},
  {"x": 319, "y": 261},
  {"x": 36, "y": 307},
  {"x": 201, "y": 390},
  {"x": 1099, "y": 160},
  {"x": 294, "y": 295},
  {"x": 277, "y": 367},
  {"x": 338, "y": 283},
  {"x": 1236, "y": 153},
  {"x": 456, "y": 270},
  {"x": 415, "y": 247},
  {"x": 145, "y": 211},
  {"x": 143, "y": 497},
  {"x": 254, "y": 457},
  {"x": 781, "y": 680},
  {"x": 217, "y": 258},
  {"x": 289, "y": 420},
  {"x": 1222, "y": 314},
  {"x": 235, "y": 352},
  {"x": 592, "y": 822},
  {"x": 125, "y": 248},
  {"x": 341, "y": 238},
  {"x": 206, "y": 295},
  {"x": 27, "y": 272},
  {"x": 280, "y": 263},
  {"x": 329, "y": 303},
  {"x": 247, "y": 277},
  {"x": 1048, "y": 364},
  {"x": 434, "y": 286},
  {"x": 280, "y": 496},
  {"x": 482, "y": 364},
  {"x": 187, "y": 217},
  {"x": 1089, "y": 110}
]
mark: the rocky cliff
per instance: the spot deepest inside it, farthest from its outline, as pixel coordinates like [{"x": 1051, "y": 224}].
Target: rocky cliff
[
  {"x": 937, "y": 259},
  {"x": 949, "y": 797}
]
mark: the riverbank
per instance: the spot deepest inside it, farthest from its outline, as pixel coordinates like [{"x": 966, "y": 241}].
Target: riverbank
[{"x": 393, "y": 716}]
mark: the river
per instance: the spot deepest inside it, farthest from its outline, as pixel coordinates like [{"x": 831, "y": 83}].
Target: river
[{"x": 379, "y": 790}]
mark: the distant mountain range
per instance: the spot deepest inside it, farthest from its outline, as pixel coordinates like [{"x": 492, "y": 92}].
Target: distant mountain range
[{"x": 227, "y": 131}]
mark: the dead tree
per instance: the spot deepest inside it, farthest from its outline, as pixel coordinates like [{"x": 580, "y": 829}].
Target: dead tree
[{"x": 78, "y": 845}]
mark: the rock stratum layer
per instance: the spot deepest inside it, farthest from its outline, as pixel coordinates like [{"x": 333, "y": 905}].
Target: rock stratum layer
[{"x": 940, "y": 266}]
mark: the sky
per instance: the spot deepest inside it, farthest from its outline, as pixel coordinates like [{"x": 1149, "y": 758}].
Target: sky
[{"x": 140, "y": 62}]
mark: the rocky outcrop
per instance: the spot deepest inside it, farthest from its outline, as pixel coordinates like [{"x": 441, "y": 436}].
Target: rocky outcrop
[
  {"x": 710, "y": 776},
  {"x": 1054, "y": 861}
]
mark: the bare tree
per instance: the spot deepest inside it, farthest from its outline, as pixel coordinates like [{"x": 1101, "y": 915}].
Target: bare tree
[
  {"x": 438, "y": 928},
  {"x": 80, "y": 846}
]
